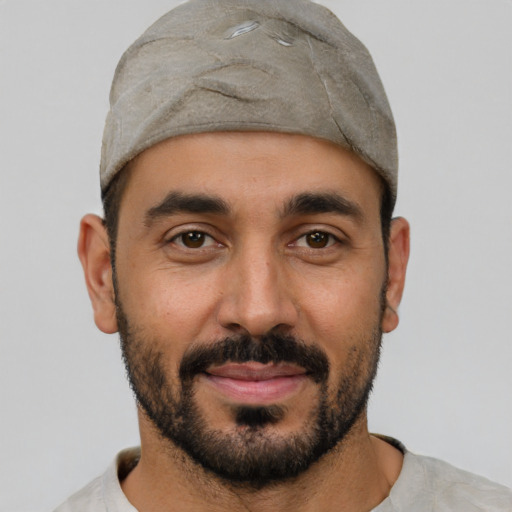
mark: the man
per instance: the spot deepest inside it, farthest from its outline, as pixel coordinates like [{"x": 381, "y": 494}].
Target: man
[{"x": 250, "y": 264}]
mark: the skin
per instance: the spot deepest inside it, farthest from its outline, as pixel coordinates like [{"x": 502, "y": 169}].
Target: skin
[{"x": 255, "y": 272}]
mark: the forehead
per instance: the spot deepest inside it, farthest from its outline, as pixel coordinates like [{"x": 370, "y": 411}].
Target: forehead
[{"x": 247, "y": 169}]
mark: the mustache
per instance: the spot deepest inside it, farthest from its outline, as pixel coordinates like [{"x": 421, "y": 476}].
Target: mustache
[{"x": 270, "y": 348}]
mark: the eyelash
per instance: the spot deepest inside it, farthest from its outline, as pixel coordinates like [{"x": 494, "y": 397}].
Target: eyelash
[
  {"x": 178, "y": 239},
  {"x": 325, "y": 236},
  {"x": 330, "y": 240}
]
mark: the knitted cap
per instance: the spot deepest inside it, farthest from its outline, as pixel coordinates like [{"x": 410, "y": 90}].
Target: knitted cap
[{"x": 285, "y": 66}]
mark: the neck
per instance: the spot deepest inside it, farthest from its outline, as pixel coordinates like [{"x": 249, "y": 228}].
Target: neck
[{"x": 356, "y": 475}]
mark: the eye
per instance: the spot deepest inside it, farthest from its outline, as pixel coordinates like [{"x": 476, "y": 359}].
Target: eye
[
  {"x": 193, "y": 240},
  {"x": 316, "y": 240}
]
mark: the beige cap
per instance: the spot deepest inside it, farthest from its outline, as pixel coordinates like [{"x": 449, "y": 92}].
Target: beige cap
[{"x": 249, "y": 65}]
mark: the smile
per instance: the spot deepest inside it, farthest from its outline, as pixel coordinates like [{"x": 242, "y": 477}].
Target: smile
[{"x": 255, "y": 383}]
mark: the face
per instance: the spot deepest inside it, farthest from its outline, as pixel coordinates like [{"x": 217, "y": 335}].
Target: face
[{"x": 250, "y": 290}]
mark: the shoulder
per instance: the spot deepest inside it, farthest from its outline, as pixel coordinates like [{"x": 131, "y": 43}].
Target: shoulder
[
  {"x": 88, "y": 499},
  {"x": 441, "y": 487},
  {"x": 104, "y": 494}
]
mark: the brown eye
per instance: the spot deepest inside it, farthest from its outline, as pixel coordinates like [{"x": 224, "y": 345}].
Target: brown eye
[
  {"x": 193, "y": 239},
  {"x": 318, "y": 239}
]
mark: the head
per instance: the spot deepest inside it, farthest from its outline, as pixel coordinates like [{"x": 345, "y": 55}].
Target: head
[{"x": 249, "y": 273}]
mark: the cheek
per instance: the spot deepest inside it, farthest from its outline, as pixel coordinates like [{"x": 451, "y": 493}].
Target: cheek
[
  {"x": 166, "y": 303},
  {"x": 344, "y": 311},
  {"x": 346, "y": 303}
]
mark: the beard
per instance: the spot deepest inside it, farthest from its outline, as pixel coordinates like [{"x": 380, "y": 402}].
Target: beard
[{"x": 253, "y": 453}]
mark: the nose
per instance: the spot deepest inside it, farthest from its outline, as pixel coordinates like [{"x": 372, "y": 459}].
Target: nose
[{"x": 257, "y": 295}]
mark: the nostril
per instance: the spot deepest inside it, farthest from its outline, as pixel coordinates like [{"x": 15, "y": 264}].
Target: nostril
[{"x": 237, "y": 328}]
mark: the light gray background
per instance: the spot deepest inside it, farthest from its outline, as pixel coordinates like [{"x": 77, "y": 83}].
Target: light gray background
[{"x": 445, "y": 379}]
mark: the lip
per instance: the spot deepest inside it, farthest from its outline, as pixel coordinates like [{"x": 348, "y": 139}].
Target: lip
[{"x": 254, "y": 383}]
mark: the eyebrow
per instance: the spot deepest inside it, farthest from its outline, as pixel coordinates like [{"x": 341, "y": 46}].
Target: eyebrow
[
  {"x": 307, "y": 203},
  {"x": 311, "y": 203},
  {"x": 178, "y": 202}
]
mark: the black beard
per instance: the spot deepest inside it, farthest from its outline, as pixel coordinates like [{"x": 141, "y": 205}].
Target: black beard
[{"x": 252, "y": 454}]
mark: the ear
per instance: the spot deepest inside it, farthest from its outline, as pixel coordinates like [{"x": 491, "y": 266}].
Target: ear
[
  {"x": 398, "y": 256},
  {"x": 94, "y": 254}
]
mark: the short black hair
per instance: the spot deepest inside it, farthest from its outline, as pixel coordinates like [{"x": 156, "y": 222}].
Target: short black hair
[{"x": 111, "y": 199}]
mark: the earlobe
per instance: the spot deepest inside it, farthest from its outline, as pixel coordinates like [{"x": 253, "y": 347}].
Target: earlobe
[
  {"x": 94, "y": 254},
  {"x": 398, "y": 256}
]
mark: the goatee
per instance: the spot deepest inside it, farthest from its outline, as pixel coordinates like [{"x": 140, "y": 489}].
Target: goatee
[{"x": 253, "y": 453}]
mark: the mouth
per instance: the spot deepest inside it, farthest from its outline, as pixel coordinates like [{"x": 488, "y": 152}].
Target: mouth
[{"x": 254, "y": 383}]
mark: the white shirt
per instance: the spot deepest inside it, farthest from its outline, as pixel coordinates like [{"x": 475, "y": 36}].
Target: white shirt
[{"x": 424, "y": 485}]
